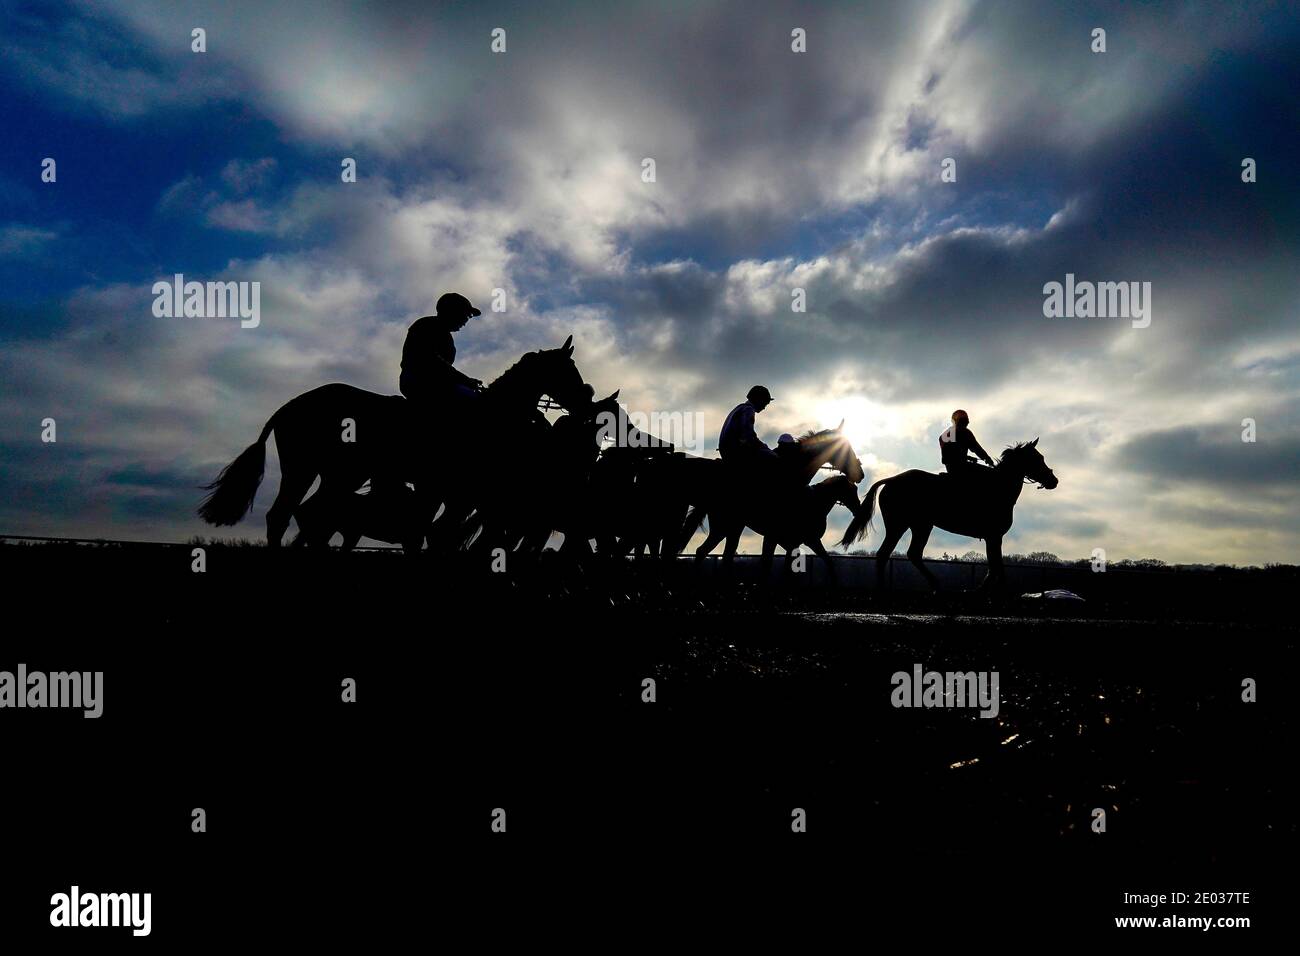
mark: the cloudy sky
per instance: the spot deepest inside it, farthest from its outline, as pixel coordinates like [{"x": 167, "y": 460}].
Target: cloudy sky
[{"x": 775, "y": 170}]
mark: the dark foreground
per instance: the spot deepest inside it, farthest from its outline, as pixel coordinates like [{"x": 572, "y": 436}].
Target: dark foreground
[{"x": 524, "y": 692}]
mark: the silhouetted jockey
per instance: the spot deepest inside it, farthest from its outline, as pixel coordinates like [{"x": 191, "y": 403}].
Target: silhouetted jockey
[
  {"x": 787, "y": 453},
  {"x": 956, "y": 441},
  {"x": 427, "y": 372},
  {"x": 739, "y": 445}
]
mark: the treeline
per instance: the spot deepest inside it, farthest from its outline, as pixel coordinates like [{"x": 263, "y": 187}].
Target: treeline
[{"x": 1048, "y": 559}]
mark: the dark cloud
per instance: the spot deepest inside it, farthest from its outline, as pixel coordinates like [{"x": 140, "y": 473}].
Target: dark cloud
[
  {"x": 775, "y": 170},
  {"x": 1217, "y": 458}
]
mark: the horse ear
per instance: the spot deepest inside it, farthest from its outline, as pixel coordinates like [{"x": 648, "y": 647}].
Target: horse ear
[
  {"x": 568, "y": 345},
  {"x": 614, "y": 397},
  {"x": 1034, "y": 443},
  {"x": 840, "y": 426}
]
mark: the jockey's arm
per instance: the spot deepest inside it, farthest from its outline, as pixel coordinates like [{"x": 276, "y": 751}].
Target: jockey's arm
[
  {"x": 978, "y": 449},
  {"x": 423, "y": 356},
  {"x": 752, "y": 443},
  {"x": 452, "y": 375}
]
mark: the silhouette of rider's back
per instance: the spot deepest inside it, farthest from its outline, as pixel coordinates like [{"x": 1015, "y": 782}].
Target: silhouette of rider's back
[
  {"x": 428, "y": 374},
  {"x": 956, "y": 441},
  {"x": 738, "y": 444}
]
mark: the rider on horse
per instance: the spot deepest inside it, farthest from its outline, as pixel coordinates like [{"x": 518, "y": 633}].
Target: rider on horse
[
  {"x": 956, "y": 441},
  {"x": 739, "y": 445},
  {"x": 428, "y": 376},
  {"x": 761, "y": 469}
]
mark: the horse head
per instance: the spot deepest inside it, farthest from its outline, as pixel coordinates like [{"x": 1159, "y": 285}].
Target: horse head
[
  {"x": 606, "y": 406},
  {"x": 845, "y": 491},
  {"x": 829, "y": 446},
  {"x": 581, "y": 431},
  {"x": 1027, "y": 461},
  {"x": 600, "y": 418},
  {"x": 560, "y": 378},
  {"x": 545, "y": 372}
]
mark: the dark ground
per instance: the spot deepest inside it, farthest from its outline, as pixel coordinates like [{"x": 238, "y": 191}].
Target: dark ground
[{"x": 523, "y": 691}]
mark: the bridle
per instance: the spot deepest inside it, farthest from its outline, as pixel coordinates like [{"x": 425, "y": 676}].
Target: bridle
[{"x": 1026, "y": 480}]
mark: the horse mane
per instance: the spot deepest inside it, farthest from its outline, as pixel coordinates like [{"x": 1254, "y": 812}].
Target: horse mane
[
  {"x": 637, "y": 438},
  {"x": 1012, "y": 449},
  {"x": 513, "y": 369},
  {"x": 813, "y": 433}
]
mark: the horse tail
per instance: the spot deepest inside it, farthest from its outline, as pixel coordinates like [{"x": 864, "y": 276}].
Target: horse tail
[
  {"x": 861, "y": 522},
  {"x": 231, "y": 493},
  {"x": 694, "y": 518}
]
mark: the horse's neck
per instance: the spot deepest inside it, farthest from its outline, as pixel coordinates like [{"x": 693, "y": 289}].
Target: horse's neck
[
  {"x": 817, "y": 457},
  {"x": 515, "y": 388},
  {"x": 628, "y": 434},
  {"x": 1013, "y": 481}
]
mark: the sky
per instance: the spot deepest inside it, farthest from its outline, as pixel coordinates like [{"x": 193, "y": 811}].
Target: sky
[{"x": 775, "y": 170}]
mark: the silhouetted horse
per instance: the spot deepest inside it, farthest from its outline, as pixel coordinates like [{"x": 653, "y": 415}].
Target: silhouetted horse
[
  {"x": 732, "y": 501},
  {"x": 623, "y": 511},
  {"x": 977, "y": 504},
  {"x": 804, "y": 522},
  {"x": 606, "y": 506},
  {"x": 391, "y": 441},
  {"x": 558, "y": 493}
]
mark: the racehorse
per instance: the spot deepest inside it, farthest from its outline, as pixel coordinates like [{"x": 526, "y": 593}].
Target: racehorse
[
  {"x": 804, "y": 522},
  {"x": 558, "y": 494},
  {"x": 346, "y": 435},
  {"x": 977, "y": 504},
  {"x": 731, "y": 505},
  {"x": 623, "y": 511}
]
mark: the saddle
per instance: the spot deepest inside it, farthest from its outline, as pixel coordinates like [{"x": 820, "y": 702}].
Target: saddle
[{"x": 970, "y": 475}]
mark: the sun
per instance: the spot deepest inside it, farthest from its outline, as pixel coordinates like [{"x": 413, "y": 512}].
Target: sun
[{"x": 864, "y": 420}]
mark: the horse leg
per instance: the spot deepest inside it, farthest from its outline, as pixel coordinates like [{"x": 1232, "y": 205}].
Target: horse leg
[
  {"x": 322, "y": 517},
  {"x": 916, "y": 552},
  {"x": 427, "y": 503},
  {"x": 669, "y": 529},
  {"x": 765, "y": 562},
  {"x": 293, "y": 485},
  {"x": 729, "y": 550},
  {"x": 886, "y": 548},
  {"x": 819, "y": 549},
  {"x": 716, "y": 534},
  {"x": 656, "y": 544},
  {"x": 994, "y": 578},
  {"x": 443, "y": 528}
]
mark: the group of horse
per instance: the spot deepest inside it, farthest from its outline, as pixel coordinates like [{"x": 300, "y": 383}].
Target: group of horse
[{"x": 455, "y": 482}]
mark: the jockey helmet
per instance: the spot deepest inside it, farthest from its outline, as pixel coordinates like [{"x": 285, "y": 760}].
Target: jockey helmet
[{"x": 455, "y": 304}]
